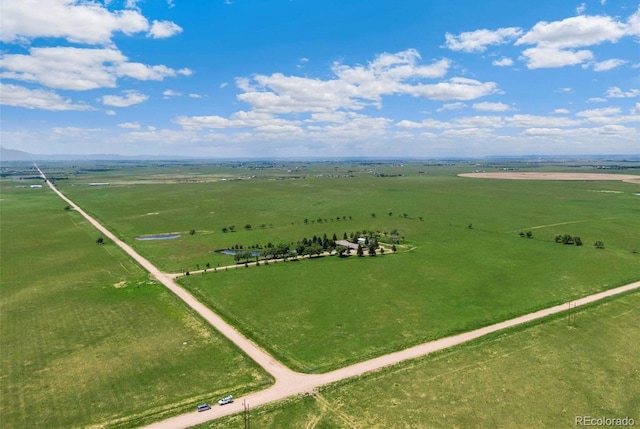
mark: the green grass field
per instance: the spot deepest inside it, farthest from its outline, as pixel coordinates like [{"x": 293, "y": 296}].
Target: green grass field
[
  {"x": 86, "y": 338},
  {"x": 321, "y": 314},
  {"x": 539, "y": 376}
]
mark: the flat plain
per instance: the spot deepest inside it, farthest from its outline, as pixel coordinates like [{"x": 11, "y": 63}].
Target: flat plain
[
  {"x": 461, "y": 263},
  {"x": 543, "y": 375},
  {"x": 87, "y": 338}
]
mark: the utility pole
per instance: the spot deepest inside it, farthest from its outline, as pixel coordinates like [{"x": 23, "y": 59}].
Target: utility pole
[{"x": 245, "y": 414}]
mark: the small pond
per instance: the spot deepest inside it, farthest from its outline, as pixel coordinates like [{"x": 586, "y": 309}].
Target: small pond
[{"x": 158, "y": 237}]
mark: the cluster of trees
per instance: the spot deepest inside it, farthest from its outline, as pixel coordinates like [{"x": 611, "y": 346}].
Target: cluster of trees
[
  {"x": 321, "y": 220},
  {"x": 527, "y": 234},
  {"x": 230, "y": 228},
  {"x": 568, "y": 239}
]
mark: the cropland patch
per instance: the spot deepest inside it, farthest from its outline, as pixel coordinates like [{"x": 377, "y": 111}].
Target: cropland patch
[{"x": 511, "y": 175}]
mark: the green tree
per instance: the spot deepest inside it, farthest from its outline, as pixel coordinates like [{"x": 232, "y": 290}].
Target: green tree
[
  {"x": 341, "y": 251},
  {"x": 372, "y": 250},
  {"x": 232, "y": 228},
  {"x": 192, "y": 232},
  {"x": 247, "y": 226},
  {"x": 225, "y": 229},
  {"x": 100, "y": 241},
  {"x": 599, "y": 244},
  {"x": 360, "y": 251},
  {"x": 394, "y": 249}
]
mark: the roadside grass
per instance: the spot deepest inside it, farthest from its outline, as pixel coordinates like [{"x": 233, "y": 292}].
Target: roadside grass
[
  {"x": 87, "y": 338},
  {"x": 541, "y": 375}
]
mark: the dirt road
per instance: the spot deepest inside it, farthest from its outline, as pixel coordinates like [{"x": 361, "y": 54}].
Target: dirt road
[{"x": 288, "y": 382}]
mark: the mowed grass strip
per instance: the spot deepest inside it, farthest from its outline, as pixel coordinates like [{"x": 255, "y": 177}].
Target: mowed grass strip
[
  {"x": 543, "y": 375},
  {"x": 87, "y": 338}
]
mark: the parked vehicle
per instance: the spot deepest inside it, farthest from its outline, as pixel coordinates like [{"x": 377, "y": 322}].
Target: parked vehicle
[
  {"x": 204, "y": 407},
  {"x": 226, "y": 400}
]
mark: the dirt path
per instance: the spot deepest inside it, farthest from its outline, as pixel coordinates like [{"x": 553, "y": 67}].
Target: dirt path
[
  {"x": 513, "y": 175},
  {"x": 289, "y": 383}
]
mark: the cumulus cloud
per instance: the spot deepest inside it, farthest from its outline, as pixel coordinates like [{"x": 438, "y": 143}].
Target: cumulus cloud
[
  {"x": 354, "y": 87},
  {"x": 171, "y": 93},
  {"x": 503, "y": 62},
  {"x": 19, "y": 96},
  {"x": 493, "y": 107},
  {"x": 74, "y": 20},
  {"x": 608, "y": 65},
  {"x": 452, "y": 106},
  {"x": 128, "y": 99},
  {"x": 477, "y": 41},
  {"x": 163, "y": 29},
  {"x": 130, "y": 125},
  {"x": 552, "y": 57},
  {"x": 555, "y": 42},
  {"x": 615, "y": 92},
  {"x": 78, "y": 68}
]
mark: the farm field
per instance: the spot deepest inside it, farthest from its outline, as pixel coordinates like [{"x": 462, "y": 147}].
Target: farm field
[
  {"x": 541, "y": 375},
  {"x": 86, "y": 338},
  {"x": 445, "y": 278}
]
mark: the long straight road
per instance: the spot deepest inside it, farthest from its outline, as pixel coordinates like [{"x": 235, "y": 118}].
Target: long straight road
[{"x": 288, "y": 382}]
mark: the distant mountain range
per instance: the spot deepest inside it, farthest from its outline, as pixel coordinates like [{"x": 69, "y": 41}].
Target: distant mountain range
[{"x": 12, "y": 155}]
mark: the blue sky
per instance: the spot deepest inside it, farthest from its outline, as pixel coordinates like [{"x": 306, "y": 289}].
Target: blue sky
[{"x": 311, "y": 78}]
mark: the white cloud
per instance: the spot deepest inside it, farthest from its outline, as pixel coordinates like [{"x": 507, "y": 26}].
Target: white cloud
[
  {"x": 19, "y": 96},
  {"x": 574, "y": 32},
  {"x": 194, "y": 95},
  {"x": 75, "y": 21},
  {"x": 223, "y": 85},
  {"x": 615, "y": 92},
  {"x": 129, "y": 99},
  {"x": 608, "y": 64},
  {"x": 492, "y": 107},
  {"x": 354, "y": 87},
  {"x": 564, "y": 90},
  {"x": 526, "y": 121},
  {"x": 78, "y": 68},
  {"x": 633, "y": 24},
  {"x": 163, "y": 29},
  {"x": 452, "y": 106},
  {"x": 130, "y": 125},
  {"x": 596, "y": 100},
  {"x": 554, "y": 40},
  {"x": 503, "y": 62},
  {"x": 561, "y": 111},
  {"x": 580, "y": 9},
  {"x": 552, "y": 57},
  {"x": 477, "y": 41},
  {"x": 110, "y": 112},
  {"x": 171, "y": 93}
]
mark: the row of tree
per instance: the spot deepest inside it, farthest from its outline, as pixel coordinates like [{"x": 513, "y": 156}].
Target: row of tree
[{"x": 575, "y": 240}]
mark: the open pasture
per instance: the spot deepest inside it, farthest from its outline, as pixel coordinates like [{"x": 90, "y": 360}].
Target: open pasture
[
  {"x": 276, "y": 210},
  {"x": 87, "y": 338},
  {"x": 540, "y": 375},
  {"x": 462, "y": 263}
]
